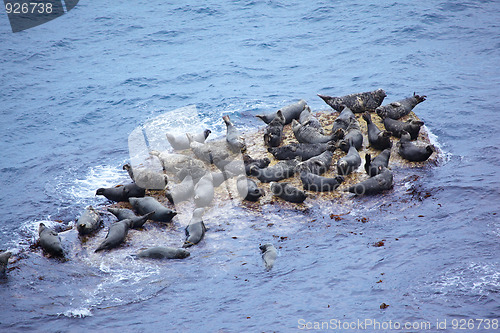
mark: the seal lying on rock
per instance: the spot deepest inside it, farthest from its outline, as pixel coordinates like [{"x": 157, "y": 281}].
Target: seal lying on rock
[
  {"x": 396, "y": 110},
  {"x": 277, "y": 172},
  {"x": 343, "y": 120},
  {"x": 353, "y": 135},
  {"x": 269, "y": 255},
  {"x": 4, "y": 260},
  {"x": 121, "y": 193},
  {"x": 411, "y": 152},
  {"x": 290, "y": 112},
  {"x": 50, "y": 241},
  {"x": 124, "y": 213},
  {"x": 382, "y": 160},
  {"x": 378, "y": 139},
  {"x": 358, "y": 103},
  {"x": 248, "y": 189},
  {"x": 397, "y": 127},
  {"x": 162, "y": 252},
  {"x": 195, "y": 231},
  {"x": 376, "y": 184},
  {"x": 319, "y": 164},
  {"x": 89, "y": 221},
  {"x": 349, "y": 162},
  {"x": 180, "y": 192},
  {"x": 181, "y": 142},
  {"x": 287, "y": 192},
  {"x": 307, "y": 134},
  {"x": 274, "y": 131},
  {"x": 204, "y": 191},
  {"x": 147, "y": 178},
  {"x": 259, "y": 162},
  {"x": 208, "y": 152},
  {"x": 303, "y": 150},
  {"x": 307, "y": 119},
  {"x": 315, "y": 183},
  {"x": 149, "y": 204},
  {"x": 116, "y": 235},
  {"x": 234, "y": 138}
]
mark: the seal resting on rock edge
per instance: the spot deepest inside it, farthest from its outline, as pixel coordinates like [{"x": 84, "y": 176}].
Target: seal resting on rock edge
[
  {"x": 89, "y": 221},
  {"x": 162, "y": 252},
  {"x": 372, "y": 166},
  {"x": 269, "y": 255},
  {"x": 124, "y": 213},
  {"x": 411, "y": 152},
  {"x": 290, "y": 112},
  {"x": 234, "y": 138},
  {"x": 181, "y": 141},
  {"x": 149, "y": 204},
  {"x": 121, "y": 193},
  {"x": 116, "y": 235},
  {"x": 287, "y": 192},
  {"x": 180, "y": 192},
  {"x": 4, "y": 260},
  {"x": 397, "y": 127},
  {"x": 315, "y": 183},
  {"x": 358, "y": 103},
  {"x": 376, "y": 184},
  {"x": 50, "y": 241},
  {"x": 195, "y": 231},
  {"x": 396, "y": 110},
  {"x": 248, "y": 189}
]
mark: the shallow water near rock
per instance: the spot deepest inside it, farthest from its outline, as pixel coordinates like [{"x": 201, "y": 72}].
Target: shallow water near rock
[{"x": 74, "y": 89}]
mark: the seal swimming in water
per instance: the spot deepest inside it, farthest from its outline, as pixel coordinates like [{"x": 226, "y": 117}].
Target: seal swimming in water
[
  {"x": 315, "y": 183},
  {"x": 121, "y": 193},
  {"x": 287, "y": 192},
  {"x": 396, "y": 110},
  {"x": 277, "y": 172},
  {"x": 50, "y": 241},
  {"x": 269, "y": 255},
  {"x": 349, "y": 162},
  {"x": 321, "y": 163},
  {"x": 397, "y": 127},
  {"x": 195, "y": 231},
  {"x": 358, "y": 103},
  {"x": 89, "y": 221},
  {"x": 274, "y": 130},
  {"x": 303, "y": 150},
  {"x": 248, "y": 189},
  {"x": 307, "y": 134},
  {"x": 4, "y": 260},
  {"x": 234, "y": 138},
  {"x": 116, "y": 235},
  {"x": 372, "y": 166},
  {"x": 376, "y": 184},
  {"x": 290, "y": 112},
  {"x": 306, "y": 118},
  {"x": 181, "y": 141},
  {"x": 378, "y": 139},
  {"x": 180, "y": 192},
  {"x": 411, "y": 152},
  {"x": 204, "y": 191},
  {"x": 162, "y": 252},
  {"x": 124, "y": 214},
  {"x": 149, "y": 204}
]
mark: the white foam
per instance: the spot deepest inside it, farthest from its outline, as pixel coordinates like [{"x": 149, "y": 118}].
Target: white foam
[{"x": 77, "y": 313}]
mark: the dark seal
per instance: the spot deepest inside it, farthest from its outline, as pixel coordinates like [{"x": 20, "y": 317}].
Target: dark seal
[
  {"x": 372, "y": 167},
  {"x": 397, "y": 127},
  {"x": 378, "y": 139},
  {"x": 287, "y": 192},
  {"x": 290, "y": 112},
  {"x": 122, "y": 193},
  {"x": 396, "y": 110},
  {"x": 116, "y": 235},
  {"x": 411, "y": 152},
  {"x": 50, "y": 241},
  {"x": 376, "y": 184},
  {"x": 195, "y": 231},
  {"x": 274, "y": 130}
]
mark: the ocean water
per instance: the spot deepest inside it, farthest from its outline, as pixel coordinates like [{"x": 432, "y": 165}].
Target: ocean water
[{"x": 74, "y": 89}]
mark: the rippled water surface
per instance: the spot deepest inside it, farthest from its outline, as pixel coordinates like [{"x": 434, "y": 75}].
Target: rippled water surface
[{"x": 75, "y": 88}]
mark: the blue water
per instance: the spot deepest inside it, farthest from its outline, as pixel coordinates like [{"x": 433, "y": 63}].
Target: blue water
[{"x": 72, "y": 90}]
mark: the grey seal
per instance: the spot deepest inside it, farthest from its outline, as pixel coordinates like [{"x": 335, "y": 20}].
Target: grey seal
[
  {"x": 308, "y": 134},
  {"x": 195, "y": 231},
  {"x": 277, "y": 172},
  {"x": 209, "y": 152},
  {"x": 358, "y": 103},
  {"x": 180, "y": 192},
  {"x": 88, "y": 221},
  {"x": 349, "y": 162},
  {"x": 149, "y": 204},
  {"x": 116, "y": 235},
  {"x": 319, "y": 164},
  {"x": 343, "y": 120},
  {"x": 50, "y": 241},
  {"x": 315, "y": 183},
  {"x": 274, "y": 130},
  {"x": 353, "y": 135},
  {"x": 259, "y": 162},
  {"x": 121, "y": 193},
  {"x": 162, "y": 252},
  {"x": 4, "y": 261},
  {"x": 396, "y": 110},
  {"x": 303, "y": 150},
  {"x": 181, "y": 141},
  {"x": 150, "y": 178},
  {"x": 269, "y": 255},
  {"x": 204, "y": 191},
  {"x": 397, "y": 127},
  {"x": 378, "y": 139},
  {"x": 172, "y": 162},
  {"x": 287, "y": 192},
  {"x": 382, "y": 160},
  {"x": 124, "y": 213},
  {"x": 248, "y": 189},
  {"x": 376, "y": 184},
  {"x": 234, "y": 137},
  {"x": 290, "y": 112},
  {"x": 306, "y": 118},
  {"x": 412, "y": 152}
]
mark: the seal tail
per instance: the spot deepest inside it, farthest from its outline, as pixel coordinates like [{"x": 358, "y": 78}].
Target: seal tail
[
  {"x": 325, "y": 98},
  {"x": 419, "y": 98},
  {"x": 368, "y": 160}
]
